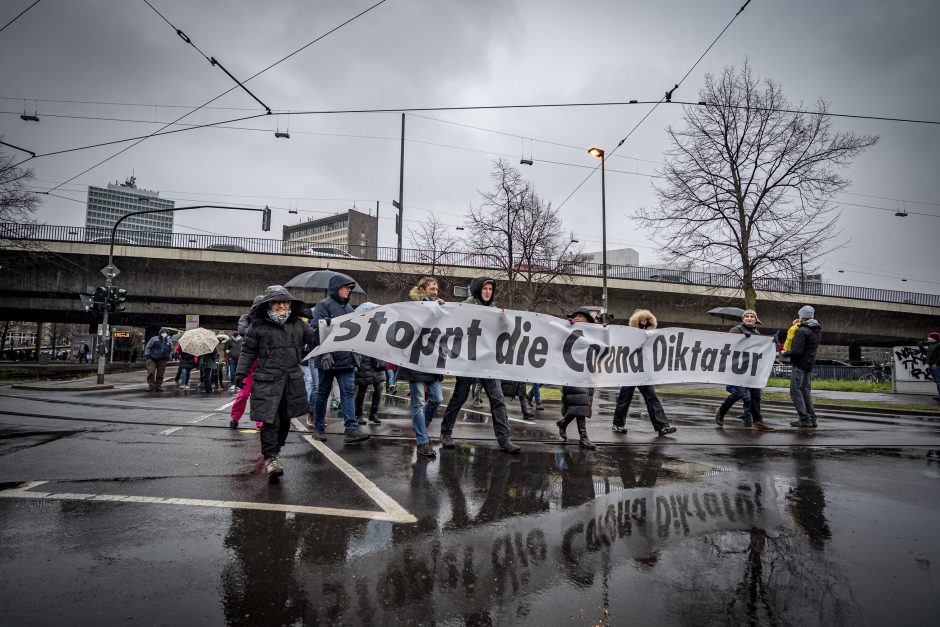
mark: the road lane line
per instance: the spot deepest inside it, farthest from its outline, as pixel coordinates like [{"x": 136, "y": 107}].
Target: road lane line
[
  {"x": 24, "y": 493},
  {"x": 199, "y": 419}
]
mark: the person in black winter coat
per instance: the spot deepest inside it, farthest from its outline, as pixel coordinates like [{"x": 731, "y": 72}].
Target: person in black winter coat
[
  {"x": 645, "y": 320},
  {"x": 339, "y": 365},
  {"x": 576, "y": 402},
  {"x": 208, "y": 371},
  {"x": 187, "y": 363},
  {"x": 276, "y": 338},
  {"x": 370, "y": 374},
  {"x": 750, "y": 396},
  {"x": 802, "y": 356},
  {"x": 517, "y": 388}
]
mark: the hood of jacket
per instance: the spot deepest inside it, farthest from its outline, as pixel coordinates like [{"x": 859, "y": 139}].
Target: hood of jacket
[
  {"x": 272, "y": 294},
  {"x": 476, "y": 289},
  {"x": 643, "y": 314},
  {"x": 584, "y": 311},
  {"x": 337, "y": 281},
  {"x": 812, "y": 324},
  {"x": 165, "y": 330},
  {"x": 416, "y": 294}
]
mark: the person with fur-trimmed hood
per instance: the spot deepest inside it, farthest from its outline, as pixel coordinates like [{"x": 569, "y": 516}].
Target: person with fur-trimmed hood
[
  {"x": 483, "y": 293},
  {"x": 276, "y": 338},
  {"x": 576, "y": 402},
  {"x": 645, "y": 320}
]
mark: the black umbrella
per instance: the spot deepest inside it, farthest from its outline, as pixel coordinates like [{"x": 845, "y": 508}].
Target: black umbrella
[
  {"x": 316, "y": 280},
  {"x": 728, "y": 313}
]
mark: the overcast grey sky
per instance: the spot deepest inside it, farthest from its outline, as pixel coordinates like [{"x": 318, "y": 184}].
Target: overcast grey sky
[{"x": 862, "y": 56}]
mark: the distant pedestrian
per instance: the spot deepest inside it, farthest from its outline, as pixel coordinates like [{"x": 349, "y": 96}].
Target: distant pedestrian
[
  {"x": 187, "y": 363},
  {"x": 645, "y": 320},
  {"x": 931, "y": 349},
  {"x": 276, "y": 339},
  {"x": 208, "y": 371},
  {"x": 482, "y": 293},
  {"x": 535, "y": 396},
  {"x": 577, "y": 402},
  {"x": 802, "y": 354},
  {"x": 339, "y": 365},
  {"x": 369, "y": 375},
  {"x": 84, "y": 355},
  {"x": 750, "y": 396},
  {"x": 233, "y": 350},
  {"x": 391, "y": 377},
  {"x": 157, "y": 353}
]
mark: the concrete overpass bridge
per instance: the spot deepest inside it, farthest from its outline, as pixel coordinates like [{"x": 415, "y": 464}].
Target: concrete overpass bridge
[{"x": 42, "y": 280}]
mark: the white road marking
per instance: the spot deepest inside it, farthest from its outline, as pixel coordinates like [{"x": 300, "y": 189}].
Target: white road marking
[
  {"x": 199, "y": 419},
  {"x": 24, "y": 492}
]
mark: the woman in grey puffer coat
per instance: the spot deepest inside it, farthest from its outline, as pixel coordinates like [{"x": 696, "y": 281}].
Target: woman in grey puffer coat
[{"x": 276, "y": 338}]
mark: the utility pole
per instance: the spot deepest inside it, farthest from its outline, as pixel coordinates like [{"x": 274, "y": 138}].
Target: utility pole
[
  {"x": 376, "y": 253},
  {"x": 802, "y": 276},
  {"x": 401, "y": 188}
]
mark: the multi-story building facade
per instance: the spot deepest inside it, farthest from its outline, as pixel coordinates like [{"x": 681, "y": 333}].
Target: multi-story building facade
[
  {"x": 106, "y": 205},
  {"x": 351, "y": 233}
]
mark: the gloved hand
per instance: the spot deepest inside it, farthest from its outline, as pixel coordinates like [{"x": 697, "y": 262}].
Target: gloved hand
[
  {"x": 326, "y": 361},
  {"x": 239, "y": 381}
]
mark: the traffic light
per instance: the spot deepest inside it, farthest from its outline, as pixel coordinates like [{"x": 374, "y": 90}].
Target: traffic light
[
  {"x": 266, "y": 218},
  {"x": 99, "y": 300},
  {"x": 117, "y": 299}
]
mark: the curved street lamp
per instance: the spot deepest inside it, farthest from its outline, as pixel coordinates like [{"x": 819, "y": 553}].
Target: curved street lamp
[{"x": 599, "y": 152}]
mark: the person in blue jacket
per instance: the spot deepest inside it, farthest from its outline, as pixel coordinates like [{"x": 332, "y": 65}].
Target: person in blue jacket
[{"x": 157, "y": 353}]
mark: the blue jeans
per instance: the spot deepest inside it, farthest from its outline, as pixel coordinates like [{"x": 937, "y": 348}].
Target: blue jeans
[
  {"x": 535, "y": 393},
  {"x": 310, "y": 384},
  {"x": 422, "y": 411},
  {"x": 347, "y": 397},
  {"x": 935, "y": 373},
  {"x": 390, "y": 377},
  {"x": 184, "y": 376},
  {"x": 737, "y": 393},
  {"x": 232, "y": 364}
]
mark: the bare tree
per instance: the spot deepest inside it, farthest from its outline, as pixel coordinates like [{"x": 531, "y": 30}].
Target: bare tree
[
  {"x": 522, "y": 237},
  {"x": 436, "y": 245},
  {"x": 749, "y": 182},
  {"x": 17, "y": 203}
]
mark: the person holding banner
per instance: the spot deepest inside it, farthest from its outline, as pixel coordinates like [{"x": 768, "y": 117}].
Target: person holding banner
[
  {"x": 645, "y": 320},
  {"x": 750, "y": 396},
  {"x": 802, "y": 354},
  {"x": 424, "y": 389},
  {"x": 483, "y": 293},
  {"x": 576, "y": 402}
]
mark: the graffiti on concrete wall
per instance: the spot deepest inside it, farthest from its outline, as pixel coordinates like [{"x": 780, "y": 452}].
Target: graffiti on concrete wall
[{"x": 910, "y": 364}]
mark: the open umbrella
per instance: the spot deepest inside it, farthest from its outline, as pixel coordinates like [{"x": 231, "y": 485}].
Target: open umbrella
[
  {"x": 198, "y": 341},
  {"x": 316, "y": 280},
  {"x": 728, "y": 313}
]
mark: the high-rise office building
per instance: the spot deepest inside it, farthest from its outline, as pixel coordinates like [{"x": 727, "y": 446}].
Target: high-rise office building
[
  {"x": 351, "y": 233},
  {"x": 107, "y": 205}
]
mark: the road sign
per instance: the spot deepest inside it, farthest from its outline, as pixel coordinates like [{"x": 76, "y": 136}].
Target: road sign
[
  {"x": 192, "y": 321},
  {"x": 110, "y": 270}
]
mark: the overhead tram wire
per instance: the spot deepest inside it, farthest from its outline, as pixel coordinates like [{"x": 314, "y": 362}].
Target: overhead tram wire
[
  {"x": 212, "y": 60},
  {"x": 667, "y": 97},
  {"x": 228, "y": 91},
  {"x": 19, "y": 15}
]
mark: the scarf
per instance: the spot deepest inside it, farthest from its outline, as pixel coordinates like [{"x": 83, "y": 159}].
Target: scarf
[{"x": 278, "y": 318}]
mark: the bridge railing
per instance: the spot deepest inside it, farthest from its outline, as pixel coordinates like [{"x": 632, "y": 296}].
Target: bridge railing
[{"x": 127, "y": 237}]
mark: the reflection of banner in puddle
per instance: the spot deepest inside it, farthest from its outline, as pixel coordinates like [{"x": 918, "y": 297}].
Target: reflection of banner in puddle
[{"x": 462, "y": 571}]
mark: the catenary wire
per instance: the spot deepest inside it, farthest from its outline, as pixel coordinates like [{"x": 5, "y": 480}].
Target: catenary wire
[{"x": 19, "y": 15}]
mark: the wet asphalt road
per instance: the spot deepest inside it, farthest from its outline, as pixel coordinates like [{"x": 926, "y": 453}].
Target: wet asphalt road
[{"x": 140, "y": 522}]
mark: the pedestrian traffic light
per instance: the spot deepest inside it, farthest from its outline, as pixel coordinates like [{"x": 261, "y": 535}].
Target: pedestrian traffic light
[
  {"x": 99, "y": 300},
  {"x": 117, "y": 299},
  {"x": 266, "y": 218}
]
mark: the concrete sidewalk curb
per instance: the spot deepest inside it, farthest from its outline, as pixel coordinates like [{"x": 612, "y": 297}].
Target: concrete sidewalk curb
[
  {"x": 35, "y": 387},
  {"x": 818, "y": 405}
]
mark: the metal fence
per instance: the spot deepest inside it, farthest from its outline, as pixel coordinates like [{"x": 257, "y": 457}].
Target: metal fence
[
  {"x": 841, "y": 373},
  {"x": 46, "y": 232}
]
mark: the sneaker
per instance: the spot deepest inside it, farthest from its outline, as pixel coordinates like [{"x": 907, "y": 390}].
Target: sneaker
[
  {"x": 618, "y": 429},
  {"x": 232, "y": 424},
  {"x": 561, "y": 429},
  {"x": 803, "y": 424},
  {"x": 320, "y": 435},
  {"x": 375, "y": 420},
  {"x": 447, "y": 441},
  {"x": 667, "y": 430},
  {"x": 334, "y": 404},
  {"x": 309, "y": 418},
  {"x": 530, "y": 417},
  {"x": 361, "y": 421},
  {"x": 425, "y": 450},
  {"x": 477, "y": 402},
  {"x": 354, "y": 437},
  {"x": 273, "y": 467},
  {"x": 760, "y": 426},
  {"x": 509, "y": 447},
  {"x": 231, "y": 388},
  {"x": 719, "y": 418},
  {"x": 539, "y": 406}
]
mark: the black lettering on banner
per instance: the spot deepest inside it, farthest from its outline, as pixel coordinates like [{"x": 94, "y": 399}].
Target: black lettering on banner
[
  {"x": 455, "y": 335},
  {"x": 391, "y": 336},
  {"x": 740, "y": 361},
  {"x": 568, "y": 347},
  {"x": 538, "y": 352},
  {"x": 506, "y": 342},
  {"x": 424, "y": 344},
  {"x": 472, "y": 334},
  {"x": 375, "y": 323},
  {"x": 709, "y": 356},
  {"x": 659, "y": 353},
  {"x": 352, "y": 327}
]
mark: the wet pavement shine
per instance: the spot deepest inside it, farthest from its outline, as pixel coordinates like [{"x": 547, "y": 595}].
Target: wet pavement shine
[{"x": 108, "y": 514}]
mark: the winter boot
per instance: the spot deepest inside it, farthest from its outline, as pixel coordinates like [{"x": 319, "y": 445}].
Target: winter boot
[
  {"x": 447, "y": 441},
  {"x": 232, "y": 424},
  {"x": 355, "y": 436},
  {"x": 582, "y": 432},
  {"x": 507, "y": 446},
  {"x": 425, "y": 450},
  {"x": 374, "y": 419},
  {"x": 320, "y": 435},
  {"x": 274, "y": 468},
  {"x": 310, "y": 419},
  {"x": 527, "y": 412},
  {"x": 562, "y": 425},
  {"x": 719, "y": 418}
]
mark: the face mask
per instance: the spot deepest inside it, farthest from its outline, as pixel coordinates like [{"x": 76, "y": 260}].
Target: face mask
[
  {"x": 278, "y": 318},
  {"x": 163, "y": 335},
  {"x": 238, "y": 337}
]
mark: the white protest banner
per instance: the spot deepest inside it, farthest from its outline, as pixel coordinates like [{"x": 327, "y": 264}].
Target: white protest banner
[{"x": 475, "y": 341}]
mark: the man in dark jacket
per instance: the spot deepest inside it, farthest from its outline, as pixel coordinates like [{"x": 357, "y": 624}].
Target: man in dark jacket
[
  {"x": 276, "y": 339},
  {"x": 482, "y": 292},
  {"x": 233, "y": 350},
  {"x": 931, "y": 350},
  {"x": 339, "y": 365},
  {"x": 751, "y": 397},
  {"x": 157, "y": 353},
  {"x": 802, "y": 356}
]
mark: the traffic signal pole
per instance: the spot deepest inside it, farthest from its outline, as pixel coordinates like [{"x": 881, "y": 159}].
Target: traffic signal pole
[{"x": 110, "y": 271}]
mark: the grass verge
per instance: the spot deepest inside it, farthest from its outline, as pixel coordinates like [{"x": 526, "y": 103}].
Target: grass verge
[{"x": 836, "y": 385}]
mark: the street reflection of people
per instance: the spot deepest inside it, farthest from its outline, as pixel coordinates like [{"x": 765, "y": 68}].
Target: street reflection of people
[{"x": 807, "y": 501}]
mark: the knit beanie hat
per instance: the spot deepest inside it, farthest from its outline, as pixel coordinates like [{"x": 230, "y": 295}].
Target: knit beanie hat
[
  {"x": 934, "y": 336},
  {"x": 806, "y": 312}
]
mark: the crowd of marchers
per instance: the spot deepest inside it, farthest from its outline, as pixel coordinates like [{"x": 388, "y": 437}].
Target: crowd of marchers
[{"x": 265, "y": 362}]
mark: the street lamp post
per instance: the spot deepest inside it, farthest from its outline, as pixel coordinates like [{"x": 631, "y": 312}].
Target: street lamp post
[
  {"x": 110, "y": 271},
  {"x": 598, "y": 152}
]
